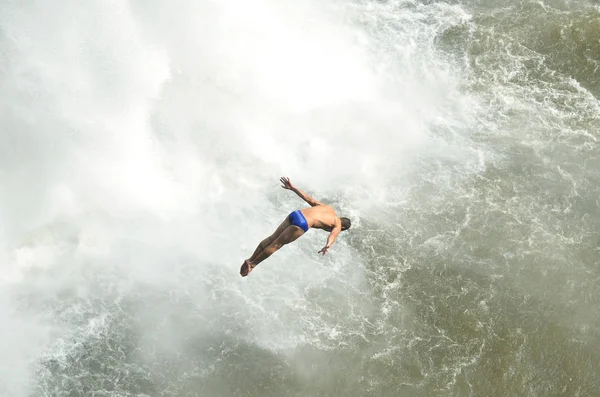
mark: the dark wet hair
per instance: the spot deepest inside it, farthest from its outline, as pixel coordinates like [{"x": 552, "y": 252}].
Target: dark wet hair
[{"x": 346, "y": 223}]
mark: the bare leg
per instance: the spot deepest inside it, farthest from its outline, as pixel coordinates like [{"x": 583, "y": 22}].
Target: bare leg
[
  {"x": 245, "y": 269},
  {"x": 266, "y": 242},
  {"x": 290, "y": 234},
  {"x": 261, "y": 246}
]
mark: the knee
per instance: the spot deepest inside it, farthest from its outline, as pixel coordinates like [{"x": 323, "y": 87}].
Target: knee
[
  {"x": 264, "y": 244},
  {"x": 274, "y": 247}
]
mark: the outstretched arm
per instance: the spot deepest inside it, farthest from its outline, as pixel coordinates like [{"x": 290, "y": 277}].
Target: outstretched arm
[
  {"x": 332, "y": 236},
  {"x": 288, "y": 185}
]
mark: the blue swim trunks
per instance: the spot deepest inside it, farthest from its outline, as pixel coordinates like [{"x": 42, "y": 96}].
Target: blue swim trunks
[{"x": 297, "y": 219}]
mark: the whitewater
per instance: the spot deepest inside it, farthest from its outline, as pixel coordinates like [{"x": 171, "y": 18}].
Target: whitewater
[{"x": 141, "y": 144}]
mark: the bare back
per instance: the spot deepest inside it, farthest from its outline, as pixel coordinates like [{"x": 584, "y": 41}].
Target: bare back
[{"x": 320, "y": 216}]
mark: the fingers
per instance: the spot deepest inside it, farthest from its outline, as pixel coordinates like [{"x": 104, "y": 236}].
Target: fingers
[{"x": 285, "y": 181}]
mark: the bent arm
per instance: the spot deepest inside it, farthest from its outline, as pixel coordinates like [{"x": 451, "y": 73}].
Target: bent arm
[{"x": 332, "y": 236}]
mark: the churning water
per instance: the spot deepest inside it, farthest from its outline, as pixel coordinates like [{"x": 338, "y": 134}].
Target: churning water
[{"x": 140, "y": 147}]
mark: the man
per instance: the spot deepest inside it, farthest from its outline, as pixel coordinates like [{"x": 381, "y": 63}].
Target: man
[{"x": 319, "y": 216}]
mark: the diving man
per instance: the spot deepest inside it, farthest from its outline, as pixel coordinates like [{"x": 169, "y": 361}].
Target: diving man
[{"x": 319, "y": 216}]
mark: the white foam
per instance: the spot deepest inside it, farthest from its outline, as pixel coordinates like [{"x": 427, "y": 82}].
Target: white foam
[{"x": 144, "y": 143}]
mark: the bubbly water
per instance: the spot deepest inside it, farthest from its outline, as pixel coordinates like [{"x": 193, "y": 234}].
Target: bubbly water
[{"x": 141, "y": 143}]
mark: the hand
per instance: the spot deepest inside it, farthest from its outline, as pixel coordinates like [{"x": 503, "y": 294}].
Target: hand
[
  {"x": 286, "y": 183},
  {"x": 323, "y": 250}
]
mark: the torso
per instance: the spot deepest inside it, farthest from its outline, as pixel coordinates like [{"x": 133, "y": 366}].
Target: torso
[{"x": 320, "y": 217}]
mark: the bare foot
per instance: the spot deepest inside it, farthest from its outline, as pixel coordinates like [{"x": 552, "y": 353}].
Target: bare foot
[{"x": 246, "y": 268}]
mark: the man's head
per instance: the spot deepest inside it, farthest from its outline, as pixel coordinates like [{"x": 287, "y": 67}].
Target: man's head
[{"x": 345, "y": 223}]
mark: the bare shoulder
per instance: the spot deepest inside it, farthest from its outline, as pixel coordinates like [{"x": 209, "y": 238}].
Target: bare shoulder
[
  {"x": 320, "y": 210},
  {"x": 324, "y": 208}
]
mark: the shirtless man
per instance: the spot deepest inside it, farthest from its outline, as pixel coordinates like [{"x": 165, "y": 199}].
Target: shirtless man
[{"x": 319, "y": 216}]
